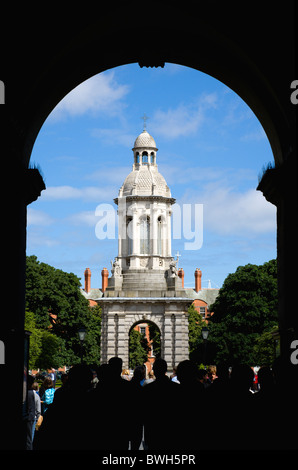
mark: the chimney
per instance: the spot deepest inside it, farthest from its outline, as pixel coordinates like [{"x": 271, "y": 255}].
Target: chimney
[
  {"x": 181, "y": 275},
  {"x": 87, "y": 274},
  {"x": 104, "y": 279},
  {"x": 198, "y": 280}
]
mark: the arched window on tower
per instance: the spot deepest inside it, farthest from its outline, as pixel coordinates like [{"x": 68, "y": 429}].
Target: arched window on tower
[
  {"x": 159, "y": 236},
  {"x": 137, "y": 157},
  {"x": 152, "y": 157},
  {"x": 145, "y": 235},
  {"x": 145, "y": 158}
]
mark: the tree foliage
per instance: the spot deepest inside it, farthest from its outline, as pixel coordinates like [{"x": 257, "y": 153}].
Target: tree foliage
[
  {"x": 154, "y": 334},
  {"x": 59, "y": 310},
  {"x": 195, "y": 325},
  {"x": 245, "y": 308},
  {"x": 138, "y": 349}
]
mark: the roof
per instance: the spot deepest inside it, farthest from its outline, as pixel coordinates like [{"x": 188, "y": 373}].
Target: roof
[
  {"x": 145, "y": 181},
  {"x": 145, "y": 140},
  {"x": 94, "y": 294},
  {"x": 207, "y": 295}
]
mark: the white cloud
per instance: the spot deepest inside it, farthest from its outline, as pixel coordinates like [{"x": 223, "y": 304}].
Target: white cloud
[
  {"x": 100, "y": 93},
  {"x": 229, "y": 212},
  {"x": 113, "y": 175},
  {"x": 86, "y": 218},
  {"x": 37, "y": 240},
  {"x": 36, "y": 217},
  {"x": 114, "y": 137},
  {"x": 183, "y": 120},
  {"x": 180, "y": 174},
  {"x": 177, "y": 122},
  {"x": 88, "y": 193},
  {"x": 255, "y": 136}
]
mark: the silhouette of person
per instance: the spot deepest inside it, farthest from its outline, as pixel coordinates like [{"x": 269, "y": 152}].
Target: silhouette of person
[
  {"x": 240, "y": 414},
  {"x": 136, "y": 417},
  {"x": 160, "y": 423},
  {"x": 30, "y": 421},
  {"x": 286, "y": 415},
  {"x": 108, "y": 429},
  {"x": 264, "y": 404},
  {"x": 66, "y": 421},
  {"x": 192, "y": 400}
]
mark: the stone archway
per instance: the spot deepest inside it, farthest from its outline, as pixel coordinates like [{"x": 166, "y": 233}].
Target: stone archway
[{"x": 120, "y": 314}]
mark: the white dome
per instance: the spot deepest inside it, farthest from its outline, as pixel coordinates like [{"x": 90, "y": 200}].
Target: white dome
[
  {"x": 145, "y": 140},
  {"x": 146, "y": 181}
]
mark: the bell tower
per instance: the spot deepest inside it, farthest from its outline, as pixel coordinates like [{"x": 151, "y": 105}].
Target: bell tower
[
  {"x": 144, "y": 285},
  {"x": 144, "y": 220}
]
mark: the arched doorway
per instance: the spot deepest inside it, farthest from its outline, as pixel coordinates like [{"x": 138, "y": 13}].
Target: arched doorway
[{"x": 144, "y": 344}]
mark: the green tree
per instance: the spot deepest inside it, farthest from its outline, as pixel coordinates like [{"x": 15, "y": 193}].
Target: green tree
[
  {"x": 154, "y": 334},
  {"x": 35, "y": 342},
  {"x": 137, "y": 349},
  {"x": 195, "y": 324},
  {"x": 58, "y": 305},
  {"x": 245, "y": 308},
  {"x": 48, "y": 356},
  {"x": 266, "y": 348}
]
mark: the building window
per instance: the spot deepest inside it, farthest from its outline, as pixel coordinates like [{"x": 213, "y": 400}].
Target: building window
[
  {"x": 137, "y": 157},
  {"x": 143, "y": 330},
  {"x": 145, "y": 236},
  {"x": 203, "y": 311}
]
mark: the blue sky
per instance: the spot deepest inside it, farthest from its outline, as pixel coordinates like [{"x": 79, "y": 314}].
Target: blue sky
[{"x": 211, "y": 150}]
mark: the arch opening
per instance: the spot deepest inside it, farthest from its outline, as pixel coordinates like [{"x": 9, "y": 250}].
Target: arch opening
[{"x": 144, "y": 344}]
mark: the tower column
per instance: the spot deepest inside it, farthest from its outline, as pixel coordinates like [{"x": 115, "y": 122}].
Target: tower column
[
  {"x": 153, "y": 234},
  {"x": 135, "y": 234},
  {"x": 122, "y": 229},
  {"x": 168, "y": 233},
  {"x": 122, "y": 350},
  {"x": 168, "y": 340},
  {"x": 111, "y": 335}
]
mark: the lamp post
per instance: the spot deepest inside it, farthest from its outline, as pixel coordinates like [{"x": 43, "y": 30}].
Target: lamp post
[
  {"x": 82, "y": 334},
  {"x": 205, "y": 334}
]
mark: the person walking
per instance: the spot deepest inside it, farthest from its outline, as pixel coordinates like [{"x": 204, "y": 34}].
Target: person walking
[{"x": 48, "y": 394}]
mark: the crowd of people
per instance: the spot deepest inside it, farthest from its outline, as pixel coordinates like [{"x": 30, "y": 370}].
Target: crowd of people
[{"x": 191, "y": 410}]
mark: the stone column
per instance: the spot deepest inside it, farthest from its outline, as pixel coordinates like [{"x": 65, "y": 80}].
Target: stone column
[
  {"x": 111, "y": 335},
  {"x": 103, "y": 337},
  {"x": 135, "y": 234},
  {"x": 179, "y": 353},
  {"x": 182, "y": 336},
  {"x": 121, "y": 349},
  {"x": 153, "y": 229},
  {"x": 168, "y": 233},
  {"x": 168, "y": 340}
]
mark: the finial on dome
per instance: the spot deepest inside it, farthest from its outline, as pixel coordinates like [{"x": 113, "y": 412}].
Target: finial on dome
[{"x": 144, "y": 118}]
